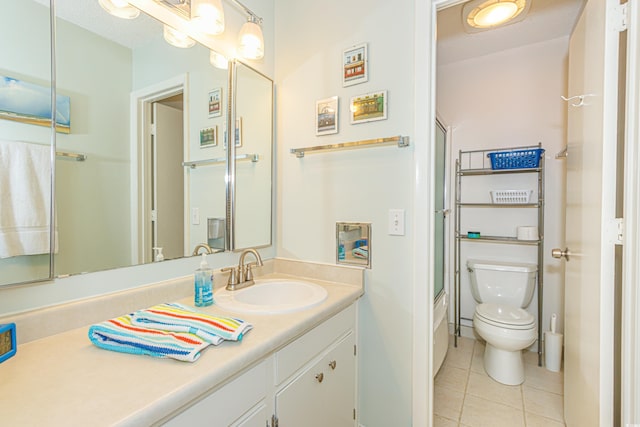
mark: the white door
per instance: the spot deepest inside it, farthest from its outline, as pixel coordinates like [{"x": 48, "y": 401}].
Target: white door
[
  {"x": 590, "y": 210},
  {"x": 168, "y": 179}
]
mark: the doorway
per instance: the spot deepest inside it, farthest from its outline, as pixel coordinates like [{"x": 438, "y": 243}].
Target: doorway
[
  {"x": 159, "y": 180},
  {"x": 498, "y": 91},
  {"x": 166, "y": 177}
]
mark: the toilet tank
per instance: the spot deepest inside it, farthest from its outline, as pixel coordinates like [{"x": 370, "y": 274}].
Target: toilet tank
[{"x": 502, "y": 282}]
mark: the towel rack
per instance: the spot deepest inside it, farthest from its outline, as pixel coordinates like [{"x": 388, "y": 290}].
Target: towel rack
[
  {"x": 195, "y": 163},
  {"x": 79, "y": 157},
  {"x": 401, "y": 141}
]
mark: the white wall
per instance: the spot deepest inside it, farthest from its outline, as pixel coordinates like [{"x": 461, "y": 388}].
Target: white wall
[
  {"x": 358, "y": 185},
  {"x": 512, "y": 98}
]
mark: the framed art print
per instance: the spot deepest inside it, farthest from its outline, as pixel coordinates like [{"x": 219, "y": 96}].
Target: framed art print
[
  {"x": 209, "y": 137},
  {"x": 327, "y": 116},
  {"x": 238, "y": 134},
  {"x": 355, "y": 65},
  {"x": 215, "y": 102},
  {"x": 368, "y": 107}
]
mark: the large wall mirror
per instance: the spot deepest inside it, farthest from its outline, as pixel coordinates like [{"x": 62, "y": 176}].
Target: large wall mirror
[{"x": 150, "y": 120}]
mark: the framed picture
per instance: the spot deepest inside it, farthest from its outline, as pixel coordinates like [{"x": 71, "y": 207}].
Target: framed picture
[
  {"x": 30, "y": 103},
  {"x": 238, "y": 138},
  {"x": 355, "y": 65},
  {"x": 215, "y": 102},
  {"x": 209, "y": 137},
  {"x": 238, "y": 134},
  {"x": 327, "y": 116},
  {"x": 369, "y": 107}
]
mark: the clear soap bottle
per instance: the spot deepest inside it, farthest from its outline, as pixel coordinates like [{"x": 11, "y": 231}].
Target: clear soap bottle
[{"x": 204, "y": 284}]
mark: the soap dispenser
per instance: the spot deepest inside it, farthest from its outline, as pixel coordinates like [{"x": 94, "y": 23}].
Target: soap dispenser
[{"x": 203, "y": 284}]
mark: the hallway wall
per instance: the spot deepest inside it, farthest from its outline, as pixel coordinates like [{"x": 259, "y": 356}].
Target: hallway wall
[{"x": 357, "y": 185}]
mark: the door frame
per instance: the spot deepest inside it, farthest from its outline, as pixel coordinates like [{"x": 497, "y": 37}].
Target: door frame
[
  {"x": 424, "y": 130},
  {"x": 631, "y": 231},
  {"x": 141, "y": 101}
]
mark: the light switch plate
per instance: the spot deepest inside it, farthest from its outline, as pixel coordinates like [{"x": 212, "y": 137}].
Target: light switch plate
[
  {"x": 195, "y": 216},
  {"x": 396, "y": 222}
]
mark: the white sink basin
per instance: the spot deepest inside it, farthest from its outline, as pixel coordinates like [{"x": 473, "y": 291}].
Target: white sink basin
[{"x": 272, "y": 296}]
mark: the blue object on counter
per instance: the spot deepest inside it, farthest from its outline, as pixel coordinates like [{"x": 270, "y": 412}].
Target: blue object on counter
[
  {"x": 8, "y": 343},
  {"x": 203, "y": 284},
  {"x": 473, "y": 234}
]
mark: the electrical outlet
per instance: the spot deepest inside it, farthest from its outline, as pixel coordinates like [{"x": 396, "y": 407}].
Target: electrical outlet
[{"x": 396, "y": 222}]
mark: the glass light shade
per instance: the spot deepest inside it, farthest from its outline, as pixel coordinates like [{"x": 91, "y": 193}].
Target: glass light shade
[
  {"x": 176, "y": 38},
  {"x": 208, "y": 16},
  {"x": 251, "y": 41},
  {"x": 120, "y": 8},
  {"x": 218, "y": 60},
  {"x": 492, "y": 13}
]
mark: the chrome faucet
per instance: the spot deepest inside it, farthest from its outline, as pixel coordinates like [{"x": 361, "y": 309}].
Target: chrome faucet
[
  {"x": 206, "y": 247},
  {"x": 242, "y": 276}
]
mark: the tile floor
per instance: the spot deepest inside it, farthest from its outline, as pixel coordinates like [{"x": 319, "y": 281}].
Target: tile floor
[{"x": 465, "y": 396}]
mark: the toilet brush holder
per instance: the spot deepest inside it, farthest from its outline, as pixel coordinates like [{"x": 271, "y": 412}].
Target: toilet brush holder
[{"x": 552, "y": 351}]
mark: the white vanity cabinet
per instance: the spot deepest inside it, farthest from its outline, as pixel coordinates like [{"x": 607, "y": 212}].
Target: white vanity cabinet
[
  {"x": 309, "y": 382},
  {"x": 316, "y": 376},
  {"x": 324, "y": 393}
]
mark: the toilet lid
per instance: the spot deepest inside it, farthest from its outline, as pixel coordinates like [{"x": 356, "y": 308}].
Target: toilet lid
[{"x": 505, "y": 316}]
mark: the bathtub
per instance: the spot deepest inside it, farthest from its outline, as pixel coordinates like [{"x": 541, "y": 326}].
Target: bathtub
[{"x": 440, "y": 331}]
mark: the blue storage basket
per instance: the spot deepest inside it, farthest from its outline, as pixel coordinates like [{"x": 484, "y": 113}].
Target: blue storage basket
[{"x": 516, "y": 159}]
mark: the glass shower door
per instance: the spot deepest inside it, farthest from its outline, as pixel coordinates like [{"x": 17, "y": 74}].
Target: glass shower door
[{"x": 441, "y": 210}]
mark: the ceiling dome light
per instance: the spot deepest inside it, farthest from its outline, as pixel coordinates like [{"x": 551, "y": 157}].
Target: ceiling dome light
[
  {"x": 208, "y": 16},
  {"x": 485, "y": 14},
  {"x": 176, "y": 38},
  {"x": 120, "y": 8},
  {"x": 250, "y": 40}
]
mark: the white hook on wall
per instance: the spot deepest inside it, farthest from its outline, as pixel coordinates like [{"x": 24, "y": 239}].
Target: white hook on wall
[{"x": 580, "y": 99}]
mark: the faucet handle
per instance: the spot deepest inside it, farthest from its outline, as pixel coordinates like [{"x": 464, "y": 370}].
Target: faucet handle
[
  {"x": 233, "y": 277},
  {"x": 248, "y": 273}
]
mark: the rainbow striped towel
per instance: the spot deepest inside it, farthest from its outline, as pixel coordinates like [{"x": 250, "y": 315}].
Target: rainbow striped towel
[
  {"x": 120, "y": 335},
  {"x": 179, "y": 318}
]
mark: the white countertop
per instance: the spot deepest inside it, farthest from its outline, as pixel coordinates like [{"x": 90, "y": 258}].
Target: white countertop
[{"x": 64, "y": 380}]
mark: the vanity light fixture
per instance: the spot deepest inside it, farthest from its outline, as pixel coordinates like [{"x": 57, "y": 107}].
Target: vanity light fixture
[
  {"x": 479, "y": 15},
  {"x": 250, "y": 39},
  {"x": 218, "y": 60},
  {"x": 208, "y": 16},
  {"x": 176, "y": 38},
  {"x": 120, "y": 8}
]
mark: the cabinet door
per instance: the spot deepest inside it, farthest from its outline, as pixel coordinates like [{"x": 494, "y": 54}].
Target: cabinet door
[
  {"x": 228, "y": 405},
  {"x": 322, "y": 395},
  {"x": 256, "y": 418},
  {"x": 340, "y": 384}
]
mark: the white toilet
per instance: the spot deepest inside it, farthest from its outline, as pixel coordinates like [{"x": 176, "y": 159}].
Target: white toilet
[{"x": 503, "y": 290}]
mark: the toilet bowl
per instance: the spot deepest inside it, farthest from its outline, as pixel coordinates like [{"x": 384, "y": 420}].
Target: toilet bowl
[
  {"x": 502, "y": 290},
  {"x": 507, "y": 331}
]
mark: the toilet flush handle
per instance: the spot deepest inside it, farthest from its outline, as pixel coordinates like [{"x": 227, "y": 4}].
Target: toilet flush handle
[{"x": 559, "y": 253}]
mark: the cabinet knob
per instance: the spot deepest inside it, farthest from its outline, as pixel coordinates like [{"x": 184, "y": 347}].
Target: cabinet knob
[
  {"x": 320, "y": 377},
  {"x": 332, "y": 364}
]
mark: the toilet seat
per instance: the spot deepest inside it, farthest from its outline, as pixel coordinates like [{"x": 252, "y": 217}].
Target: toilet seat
[{"x": 505, "y": 316}]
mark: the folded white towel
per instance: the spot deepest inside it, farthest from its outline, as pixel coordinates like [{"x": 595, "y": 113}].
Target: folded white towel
[{"x": 25, "y": 198}]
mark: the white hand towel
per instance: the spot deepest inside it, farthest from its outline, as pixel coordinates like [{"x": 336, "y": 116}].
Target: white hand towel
[{"x": 25, "y": 198}]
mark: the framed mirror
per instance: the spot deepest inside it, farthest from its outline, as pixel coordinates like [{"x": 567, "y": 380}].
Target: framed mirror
[
  {"x": 353, "y": 243},
  {"x": 142, "y": 113},
  {"x": 25, "y": 143}
]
